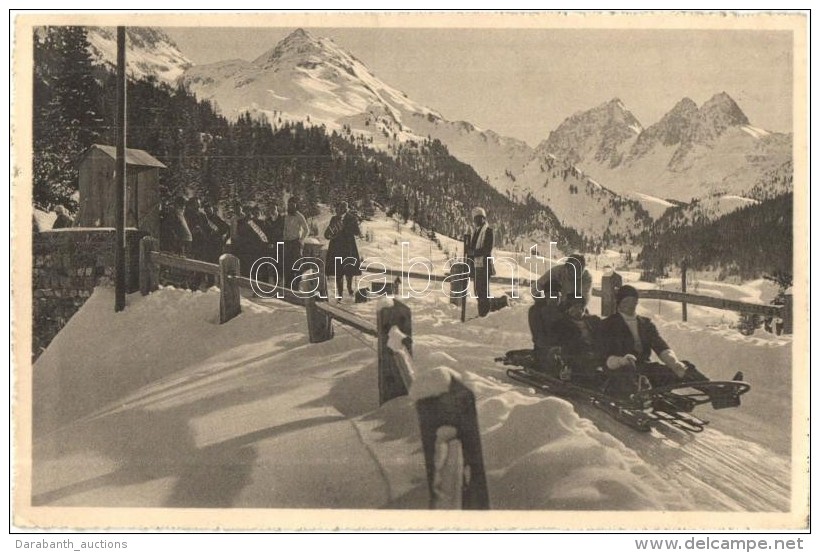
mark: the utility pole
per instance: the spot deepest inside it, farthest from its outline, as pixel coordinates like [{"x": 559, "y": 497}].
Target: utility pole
[
  {"x": 683, "y": 267},
  {"x": 119, "y": 304}
]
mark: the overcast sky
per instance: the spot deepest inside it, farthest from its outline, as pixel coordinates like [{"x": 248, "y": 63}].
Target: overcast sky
[{"x": 523, "y": 83}]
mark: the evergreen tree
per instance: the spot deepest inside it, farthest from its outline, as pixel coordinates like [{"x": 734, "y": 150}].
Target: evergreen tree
[{"x": 66, "y": 112}]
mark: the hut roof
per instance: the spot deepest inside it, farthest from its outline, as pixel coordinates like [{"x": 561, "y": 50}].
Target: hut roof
[{"x": 132, "y": 156}]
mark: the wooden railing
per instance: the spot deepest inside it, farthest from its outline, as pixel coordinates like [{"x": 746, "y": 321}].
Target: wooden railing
[
  {"x": 607, "y": 292},
  {"x": 448, "y": 422},
  {"x": 610, "y": 283},
  {"x": 151, "y": 259}
]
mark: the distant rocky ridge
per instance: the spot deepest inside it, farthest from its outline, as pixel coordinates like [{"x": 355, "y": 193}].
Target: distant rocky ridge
[{"x": 690, "y": 153}]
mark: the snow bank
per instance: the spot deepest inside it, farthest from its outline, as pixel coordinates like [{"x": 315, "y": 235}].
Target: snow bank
[
  {"x": 432, "y": 383},
  {"x": 184, "y": 386},
  {"x": 170, "y": 408}
]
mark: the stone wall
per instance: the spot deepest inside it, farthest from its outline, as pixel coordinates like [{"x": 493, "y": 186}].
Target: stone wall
[{"x": 68, "y": 264}]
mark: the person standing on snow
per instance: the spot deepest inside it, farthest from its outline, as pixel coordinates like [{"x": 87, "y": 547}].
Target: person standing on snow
[
  {"x": 251, "y": 243},
  {"x": 294, "y": 231},
  {"x": 218, "y": 238},
  {"x": 479, "y": 257},
  {"x": 181, "y": 237},
  {"x": 342, "y": 259}
]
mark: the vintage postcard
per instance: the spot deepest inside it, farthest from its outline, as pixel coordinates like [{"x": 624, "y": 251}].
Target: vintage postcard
[{"x": 410, "y": 271}]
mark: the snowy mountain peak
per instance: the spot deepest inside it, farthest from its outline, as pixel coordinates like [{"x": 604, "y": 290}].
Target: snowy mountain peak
[
  {"x": 721, "y": 112},
  {"x": 299, "y": 43},
  {"x": 299, "y": 35},
  {"x": 672, "y": 129},
  {"x": 149, "y": 52},
  {"x": 312, "y": 79},
  {"x": 690, "y": 151},
  {"x": 594, "y": 134},
  {"x": 619, "y": 113}
]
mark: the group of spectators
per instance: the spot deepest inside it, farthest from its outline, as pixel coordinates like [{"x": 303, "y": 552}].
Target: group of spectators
[
  {"x": 193, "y": 230},
  {"x": 196, "y": 231}
]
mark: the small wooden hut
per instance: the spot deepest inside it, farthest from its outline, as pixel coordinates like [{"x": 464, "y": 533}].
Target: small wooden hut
[{"x": 97, "y": 167}]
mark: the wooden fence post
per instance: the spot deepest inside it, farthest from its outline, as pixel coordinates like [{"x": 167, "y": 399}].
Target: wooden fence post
[
  {"x": 609, "y": 285},
  {"x": 788, "y": 314},
  {"x": 229, "y": 298},
  {"x": 455, "y": 409},
  {"x": 466, "y": 245},
  {"x": 320, "y": 324},
  {"x": 149, "y": 272},
  {"x": 391, "y": 384},
  {"x": 458, "y": 289}
]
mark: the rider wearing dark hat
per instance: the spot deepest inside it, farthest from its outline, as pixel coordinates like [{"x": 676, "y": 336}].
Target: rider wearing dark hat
[{"x": 627, "y": 341}]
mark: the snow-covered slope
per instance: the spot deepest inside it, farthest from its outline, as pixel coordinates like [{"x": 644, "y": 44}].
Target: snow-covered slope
[
  {"x": 309, "y": 78},
  {"x": 703, "y": 209},
  {"x": 578, "y": 200},
  {"x": 149, "y": 52},
  {"x": 250, "y": 414}
]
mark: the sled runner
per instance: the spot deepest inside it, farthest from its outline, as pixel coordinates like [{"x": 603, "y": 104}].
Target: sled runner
[{"x": 669, "y": 405}]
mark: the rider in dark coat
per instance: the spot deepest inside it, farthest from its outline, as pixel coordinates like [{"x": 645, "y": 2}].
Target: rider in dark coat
[
  {"x": 575, "y": 333},
  {"x": 627, "y": 341},
  {"x": 558, "y": 288}
]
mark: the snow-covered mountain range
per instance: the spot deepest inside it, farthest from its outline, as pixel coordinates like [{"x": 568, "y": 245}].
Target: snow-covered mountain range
[
  {"x": 308, "y": 78},
  {"x": 691, "y": 152},
  {"x": 601, "y": 171},
  {"x": 305, "y": 77}
]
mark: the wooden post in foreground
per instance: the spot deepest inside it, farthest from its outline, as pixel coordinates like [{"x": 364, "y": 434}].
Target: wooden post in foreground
[
  {"x": 788, "y": 314},
  {"x": 459, "y": 287},
  {"x": 320, "y": 324},
  {"x": 229, "y": 298},
  {"x": 149, "y": 272},
  {"x": 391, "y": 384},
  {"x": 438, "y": 416},
  {"x": 467, "y": 259},
  {"x": 610, "y": 283}
]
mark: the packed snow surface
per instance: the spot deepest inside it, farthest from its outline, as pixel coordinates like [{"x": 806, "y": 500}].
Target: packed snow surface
[{"x": 160, "y": 406}]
